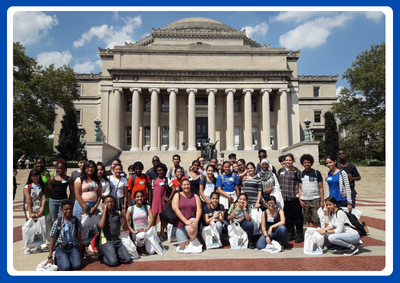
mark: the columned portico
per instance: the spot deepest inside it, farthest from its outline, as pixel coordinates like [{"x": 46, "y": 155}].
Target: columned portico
[
  {"x": 265, "y": 118},
  {"x": 154, "y": 119},
  {"x": 211, "y": 113},
  {"x": 284, "y": 118},
  {"x": 191, "y": 118},
  {"x": 248, "y": 121},
  {"x": 230, "y": 119},
  {"x": 115, "y": 118},
  {"x": 135, "y": 117},
  {"x": 172, "y": 118}
]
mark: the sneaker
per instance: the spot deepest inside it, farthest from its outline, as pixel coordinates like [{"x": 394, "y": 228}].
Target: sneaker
[
  {"x": 44, "y": 246},
  {"x": 252, "y": 246},
  {"x": 332, "y": 247},
  {"x": 299, "y": 238},
  {"x": 180, "y": 250},
  {"x": 353, "y": 250},
  {"x": 290, "y": 237},
  {"x": 27, "y": 251},
  {"x": 38, "y": 249}
]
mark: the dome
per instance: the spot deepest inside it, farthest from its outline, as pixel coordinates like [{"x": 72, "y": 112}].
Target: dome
[{"x": 196, "y": 23}]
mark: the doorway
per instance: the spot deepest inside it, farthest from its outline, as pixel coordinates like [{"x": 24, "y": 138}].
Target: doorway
[{"x": 201, "y": 131}]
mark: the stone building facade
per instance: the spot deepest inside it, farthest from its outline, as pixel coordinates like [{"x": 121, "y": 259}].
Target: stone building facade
[{"x": 198, "y": 78}]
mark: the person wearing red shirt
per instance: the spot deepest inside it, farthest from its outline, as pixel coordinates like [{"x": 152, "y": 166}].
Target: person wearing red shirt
[{"x": 139, "y": 181}]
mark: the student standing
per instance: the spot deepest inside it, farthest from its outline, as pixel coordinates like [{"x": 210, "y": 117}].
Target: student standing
[{"x": 351, "y": 171}]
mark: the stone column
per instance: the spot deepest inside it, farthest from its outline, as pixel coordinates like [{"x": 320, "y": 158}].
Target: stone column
[
  {"x": 248, "y": 121},
  {"x": 172, "y": 118},
  {"x": 191, "y": 119},
  {"x": 135, "y": 117},
  {"x": 154, "y": 119},
  {"x": 265, "y": 117},
  {"x": 115, "y": 117},
  {"x": 211, "y": 113},
  {"x": 284, "y": 118},
  {"x": 230, "y": 119}
]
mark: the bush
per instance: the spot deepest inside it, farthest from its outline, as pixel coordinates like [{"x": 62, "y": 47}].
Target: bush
[
  {"x": 322, "y": 162},
  {"x": 377, "y": 163},
  {"x": 72, "y": 164},
  {"x": 364, "y": 163}
]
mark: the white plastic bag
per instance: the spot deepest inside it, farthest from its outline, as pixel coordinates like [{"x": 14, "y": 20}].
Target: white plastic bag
[
  {"x": 356, "y": 212},
  {"x": 171, "y": 233},
  {"x": 34, "y": 232},
  {"x": 321, "y": 216},
  {"x": 276, "y": 192},
  {"x": 273, "y": 248},
  {"x": 313, "y": 242},
  {"x": 237, "y": 236},
  {"x": 49, "y": 267},
  {"x": 89, "y": 224},
  {"x": 129, "y": 245},
  {"x": 256, "y": 214},
  {"x": 192, "y": 248},
  {"x": 210, "y": 236},
  {"x": 155, "y": 241}
]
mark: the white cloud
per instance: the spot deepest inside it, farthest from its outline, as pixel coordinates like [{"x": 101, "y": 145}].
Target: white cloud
[
  {"x": 313, "y": 33},
  {"x": 56, "y": 58},
  {"x": 374, "y": 15},
  {"x": 85, "y": 67},
  {"x": 30, "y": 27},
  {"x": 338, "y": 90},
  {"x": 111, "y": 35},
  {"x": 295, "y": 16},
  {"x": 259, "y": 29}
]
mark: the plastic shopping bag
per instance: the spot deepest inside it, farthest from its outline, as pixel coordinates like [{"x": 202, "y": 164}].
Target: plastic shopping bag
[
  {"x": 276, "y": 192},
  {"x": 237, "y": 236},
  {"x": 129, "y": 245},
  {"x": 171, "y": 233},
  {"x": 356, "y": 212},
  {"x": 155, "y": 241},
  {"x": 49, "y": 267},
  {"x": 313, "y": 242},
  {"x": 192, "y": 248},
  {"x": 256, "y": 214},
  {"x": 273, "y": 248},
  {"x": 211, "y": 237},
  {"x": 34, "y": 232},
  {"x": 89, "y": 224},
  {"x": 321, "y": 216}
]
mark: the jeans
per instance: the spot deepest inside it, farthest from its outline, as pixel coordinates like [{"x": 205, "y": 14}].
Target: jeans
[
  {"x": 353, "y": 198},
  {"x": 115, "y": 253},
  {"x": 344, "y": 239},
  {"x": 14, "y": 192},
  {"x": 248, "y": 227},
  {"x": 279, "y": 235},
  {"x": 78, "y": 210},
  {"x": 54, "y": 206},
  {"x": 181, "y": 234},
  {"x": 68, "y": 258}
]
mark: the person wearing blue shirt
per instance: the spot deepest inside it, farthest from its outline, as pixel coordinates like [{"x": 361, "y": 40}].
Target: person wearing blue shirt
[{"x": 227, "y": 186}]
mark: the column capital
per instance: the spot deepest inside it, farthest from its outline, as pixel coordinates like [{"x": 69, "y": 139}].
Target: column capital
[
  {"x": 189, "y": 90},
  {"x": 116, "y": 88},
  {"x": 138, "y": 89},
  {"x": 208, "y": 90},
  {"x": 264, "y": 90},
  {"x": 227, "y": 90},
  {"x": 169, "y": 90},
  {"x": 246, "y": 90},
  {"x": 156, "y": 89},
  {"x": 284, "y": 90}
]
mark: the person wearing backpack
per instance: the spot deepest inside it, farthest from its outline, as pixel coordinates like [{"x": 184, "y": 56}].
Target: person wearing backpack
[
  {"x": 227, "y": 186},
  {"x": 341, "y": 232},
  {"x": 66, "y": 239},
  {"x": 137, "y": 182}
]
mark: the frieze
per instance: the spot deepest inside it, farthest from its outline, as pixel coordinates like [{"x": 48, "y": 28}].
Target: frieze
[{"x": 305, "y": 78}]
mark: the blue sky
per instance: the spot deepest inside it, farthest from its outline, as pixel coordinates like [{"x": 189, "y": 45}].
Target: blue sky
[{"x": 329, "y": 40}]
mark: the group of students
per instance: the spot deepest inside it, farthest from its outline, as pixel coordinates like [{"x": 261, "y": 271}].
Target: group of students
[{"x": 216, "y": 194}]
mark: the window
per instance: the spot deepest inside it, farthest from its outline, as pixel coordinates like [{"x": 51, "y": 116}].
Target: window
[
  {"x": 165, "y": 136},
  {"x": 317, "y": 116},
  {"x": 128, "y": 135},
  {"x": 147, "y": 136},
  {"x": 147, "y": 104},
  {"x": 236, "y": 105},
  {"x": 79, "y": 90},
  {"x": 78, "y": 116},
  {"x": 254, "y": 135},
  {"x": 165, "y": 105},
  {"x": 129, "y": 104},
  {"x": 316, "y": 91},
  {"x": 271, "y": 104},
  {"x": 237, "y": 136},
  {"x": 253, "y": 104}
]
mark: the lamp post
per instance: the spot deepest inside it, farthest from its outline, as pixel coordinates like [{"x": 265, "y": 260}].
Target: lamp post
[
  {"x": 97, "y": 135},
  {"x": 307, "y": 130},
  {"x": 30, "y": 146}
]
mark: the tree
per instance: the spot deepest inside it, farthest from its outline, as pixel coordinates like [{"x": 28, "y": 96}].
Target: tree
[
  {"x": 69, "y": 144},
  {"x": 361, "y": 109},
  {"x": 331, "y": 143},
  {"x": 37, "y": 90}
]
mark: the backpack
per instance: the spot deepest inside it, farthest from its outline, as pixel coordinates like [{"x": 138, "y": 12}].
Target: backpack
[
  {"x": 59, "y": 226},
  {"x": 233, "y": 175},
  {"x": 356, "y": 224},
  {"x": 169, "y": 190}
]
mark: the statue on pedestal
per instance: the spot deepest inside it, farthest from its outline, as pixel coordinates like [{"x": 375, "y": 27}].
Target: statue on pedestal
[{"x": 208, "y": 150}]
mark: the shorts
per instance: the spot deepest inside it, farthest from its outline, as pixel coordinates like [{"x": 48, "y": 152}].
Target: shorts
[
  {"x": 181, "y": 234},
  {"x": 311, "y": 210}
]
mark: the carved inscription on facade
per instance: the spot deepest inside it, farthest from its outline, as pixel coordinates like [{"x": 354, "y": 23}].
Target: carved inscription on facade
[{"x": 198, "y": 79}]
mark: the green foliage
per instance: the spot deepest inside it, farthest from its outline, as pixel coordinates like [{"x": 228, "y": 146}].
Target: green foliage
[
  {"x": 364, "y": 162},
  {"x": 321, "y": 149},
  {"x": 361, "y": 109},
  {"x": 69, "y": 145},
  {"x": 331, "y": 144},
  {"x": 377, "y": 163},
  {"x": 37, "y": 91}
]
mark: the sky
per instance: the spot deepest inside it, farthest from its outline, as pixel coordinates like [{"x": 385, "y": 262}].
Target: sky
[{"x": 329, "y": 40}]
